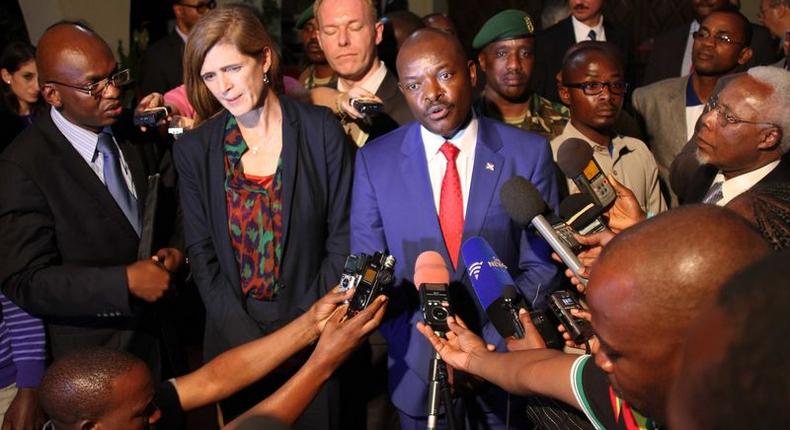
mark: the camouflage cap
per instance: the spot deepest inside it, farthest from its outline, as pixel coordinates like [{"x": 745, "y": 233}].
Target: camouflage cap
[
  {"x": 307, "y": 15},
  {"x": 508, "y": 24}
]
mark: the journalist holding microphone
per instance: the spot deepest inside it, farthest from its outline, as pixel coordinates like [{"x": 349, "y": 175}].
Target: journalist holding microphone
[{"x": 265, "y": 185}]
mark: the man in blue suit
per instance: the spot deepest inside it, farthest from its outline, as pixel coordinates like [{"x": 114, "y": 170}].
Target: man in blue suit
[{"x": 431, "y": 184}]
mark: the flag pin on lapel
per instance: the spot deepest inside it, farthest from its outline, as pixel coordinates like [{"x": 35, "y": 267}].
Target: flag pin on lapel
[{"x": 490, "y": 167}]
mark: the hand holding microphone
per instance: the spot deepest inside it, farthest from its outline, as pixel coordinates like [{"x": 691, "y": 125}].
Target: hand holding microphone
[{"x": 626, "y": 210}]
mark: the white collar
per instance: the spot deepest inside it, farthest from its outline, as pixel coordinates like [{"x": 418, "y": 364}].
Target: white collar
[
  {"x": 181, "y": 34},
  {"x": 371, "y": 83},
  {"x": 465, "y": 139},
  {"x": 733, "y": 187},
  {"x": 582, "y": 30}
]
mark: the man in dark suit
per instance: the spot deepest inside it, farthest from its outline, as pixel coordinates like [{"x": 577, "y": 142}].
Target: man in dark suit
[
  {"x": 671, "y": 55},
  {"x": 160, "y": 67},
  {"x": 72, "y": 192},
  {"x": 585, "y": 23},
  {"x": 349, "y": 33},
  {"x": 743, "y": 139},
  {"x": 411, "y": 188}
]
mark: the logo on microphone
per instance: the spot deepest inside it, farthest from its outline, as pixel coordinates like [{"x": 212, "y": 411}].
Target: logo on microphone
[
  {"x": 474, "y": 269},
  {"x": 497, "y": 264}
]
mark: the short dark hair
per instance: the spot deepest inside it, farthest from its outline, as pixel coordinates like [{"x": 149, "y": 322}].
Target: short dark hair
[
  {"x": 743, "y": 22},
  {"x": 77, "y": 386},
  {"x": 750, "y": 383},
  {"x": 579, "y": 50}
]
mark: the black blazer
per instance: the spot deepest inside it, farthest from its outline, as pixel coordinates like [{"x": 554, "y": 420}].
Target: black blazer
[
  {"x": 703, "y": 178},
  {"x": 550, "y": 47},
  {"x": 315, "y": 200},
  {"x": 161, "y": 67},
  {"x": 65, "y": 243},
  {"x": 666, "y": 57}
]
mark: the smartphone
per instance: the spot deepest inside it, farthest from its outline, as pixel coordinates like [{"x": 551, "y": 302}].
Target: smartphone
[
  {"x": 150, "y": 117},
  {"x": 367, "y": 107}
]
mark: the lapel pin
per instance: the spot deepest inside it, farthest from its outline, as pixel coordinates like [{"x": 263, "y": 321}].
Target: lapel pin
[{"x": 490, "y": 167}]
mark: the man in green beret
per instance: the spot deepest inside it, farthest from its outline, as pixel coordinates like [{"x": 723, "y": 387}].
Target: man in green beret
[
  {"x": 318, "y": 72},
  {"x": 506, "y": 53}
]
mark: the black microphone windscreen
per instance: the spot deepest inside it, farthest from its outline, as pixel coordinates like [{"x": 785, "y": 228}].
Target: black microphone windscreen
[
  {"x": 262, "y": 422},
  {"x": 521, "y": 200},
  {"x": 573, "y": 156},
  {"x": 579, "y": 210}
]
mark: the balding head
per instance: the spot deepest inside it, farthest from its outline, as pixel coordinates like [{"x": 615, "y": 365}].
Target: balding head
[
  {"x": 65, "y": 43},
  {"x": 72, "y": 58},
  {"x": 79, "y": 386},
  {"x": 650, "y": 281},
  {"x": 437, "y": 80}
]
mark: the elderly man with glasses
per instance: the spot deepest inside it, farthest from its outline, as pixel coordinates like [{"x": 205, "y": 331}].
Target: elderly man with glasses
[
  {"x": 160, "y": 68},
  {"x": 74, "y": 194},
  {"x": 743, "y": 137},
  {"x": 669, "y": 109}
]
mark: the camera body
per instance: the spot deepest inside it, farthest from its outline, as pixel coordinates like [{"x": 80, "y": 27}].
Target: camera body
[
  {"x": 565, "y": 233},
  {"x": 371, "y": 275},
  {"x": 150, "y": 117},
  {"x": 435, "y": 306},
  {"x": 367, "y": 107},
  {"x": 561, "y": 302}
]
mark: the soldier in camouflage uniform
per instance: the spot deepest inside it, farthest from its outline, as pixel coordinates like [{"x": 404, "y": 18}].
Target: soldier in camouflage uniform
[{"x": 506, "y": 49}]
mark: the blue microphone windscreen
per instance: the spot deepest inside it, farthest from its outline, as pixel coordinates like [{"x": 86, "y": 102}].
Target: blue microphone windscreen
[{"x": 488, "y": 274}]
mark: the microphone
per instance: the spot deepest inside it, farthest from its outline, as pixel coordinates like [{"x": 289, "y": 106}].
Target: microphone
[
  {"x": 490, "y": 278},
  {"x": 497, "y": 294},
  {"x": 523, "y": 203},
  {"x": 432, "y": 280},
  {"x": 575, "y": 158},
  {"x": 582, "y": 213}
]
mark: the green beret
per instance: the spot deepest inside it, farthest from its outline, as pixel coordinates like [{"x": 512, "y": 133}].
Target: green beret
[
  {"x": 307, "y": 15},
  {"x": 508, "y": 24}
]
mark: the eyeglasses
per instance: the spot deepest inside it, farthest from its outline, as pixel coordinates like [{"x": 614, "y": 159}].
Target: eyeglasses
[
  {"x": 717, "y": 38},
  {"x": 201, "y": 7},
  {"x": 723, "y": 112},
  {"x": 594, "y": 88},
  {"x": 95, "y": 89}
]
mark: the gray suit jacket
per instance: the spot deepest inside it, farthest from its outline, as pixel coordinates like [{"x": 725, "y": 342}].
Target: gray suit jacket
[{"x": 661, "y": 108}]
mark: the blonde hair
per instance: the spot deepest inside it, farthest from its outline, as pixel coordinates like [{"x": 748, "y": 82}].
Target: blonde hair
[
  {"x": 369, "y": 3},
  {"x": 235, "y": 24}
]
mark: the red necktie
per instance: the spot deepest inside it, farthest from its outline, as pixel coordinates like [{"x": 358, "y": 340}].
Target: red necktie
[{"x": 451, "y": 204}]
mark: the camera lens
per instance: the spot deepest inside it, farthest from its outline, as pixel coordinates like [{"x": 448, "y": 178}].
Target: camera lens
[{"x": 439, "y": 314}]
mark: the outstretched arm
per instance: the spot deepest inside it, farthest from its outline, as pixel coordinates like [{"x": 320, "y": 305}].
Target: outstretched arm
[
  {"x": 339, "y": 339},
  {"x": 544, "y": 372},
  {"x": 241, "y": 366}
]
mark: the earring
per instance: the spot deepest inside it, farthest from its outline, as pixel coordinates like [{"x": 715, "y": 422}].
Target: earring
[{"x": 266, "y": 78}]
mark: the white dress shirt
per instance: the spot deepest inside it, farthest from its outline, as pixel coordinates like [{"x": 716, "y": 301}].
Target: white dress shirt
[
  {"x": 85, "y": 142},
  {"x": 685, "y": 68},
  {"x": 733, "y": 187},
  {"x": 581, "y": 30},
  {"x": 466, "y": 141}
]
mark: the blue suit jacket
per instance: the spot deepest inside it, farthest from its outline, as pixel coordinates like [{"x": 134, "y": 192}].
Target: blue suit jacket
[{"x": 393, "y": 208}]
